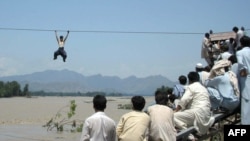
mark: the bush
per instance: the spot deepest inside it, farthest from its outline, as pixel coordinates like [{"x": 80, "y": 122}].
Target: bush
[{"x": 64, "y": 119}]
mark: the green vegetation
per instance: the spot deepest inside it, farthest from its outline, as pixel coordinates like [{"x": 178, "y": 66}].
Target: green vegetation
[
  {"x": 125, "y": 106},
  {"x": 164, "y": 89},
  {"x": 64, "y": 119},
  {"x": 10, "y": 89},
  {"x": 42, "y": 93}
]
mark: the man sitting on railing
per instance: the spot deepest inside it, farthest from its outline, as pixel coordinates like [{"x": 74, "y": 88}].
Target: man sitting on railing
[
  {"x": 194, "y": 107},
  {"x": 222, "y": 86}
]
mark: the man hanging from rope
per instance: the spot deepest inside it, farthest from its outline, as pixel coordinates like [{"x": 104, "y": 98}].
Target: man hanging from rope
[{"x": 61, "y": 43}]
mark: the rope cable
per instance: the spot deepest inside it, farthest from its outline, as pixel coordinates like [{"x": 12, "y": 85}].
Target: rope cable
[
  {"x": 101, "y": 31},
  {"x": 105, "y": 31}
]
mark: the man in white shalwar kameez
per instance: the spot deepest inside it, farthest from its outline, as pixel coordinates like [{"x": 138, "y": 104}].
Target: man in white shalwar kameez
[
  {"x": 206, "y": 49},
  {"x": 235, "y": 67},
  {"x": 202, "y": 73},
  {"x": 162, "y": 126},
  {"x": 238, "y": 35},
  {"x": 243, "y": 57},
  {"x": 194, "y": 107}
]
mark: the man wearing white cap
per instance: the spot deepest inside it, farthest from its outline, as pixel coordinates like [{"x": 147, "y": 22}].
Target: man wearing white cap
[
  {"x": 203, "y": 74},
  {"x": 199, "y": 66}
]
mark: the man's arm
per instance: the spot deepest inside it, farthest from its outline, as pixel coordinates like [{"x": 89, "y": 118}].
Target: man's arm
[
  {"x": 243, "y": 72},
  {"x": 85, "y": 132},
  {"x": 66, "y": 36},
  {"x": 178, "y": 108},
  {"x": 56, "y": 36},
  {"x": 119, "y": 127}
]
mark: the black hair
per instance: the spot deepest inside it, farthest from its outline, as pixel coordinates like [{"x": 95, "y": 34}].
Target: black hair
[
  {"x": 193, "y": 77},
  {"x": 224, "y": 47},
  {"x": 207, "y": 35},
  {"x": 138, "y": 102},
  {"x": 245, "y": 41},
  {"x": 61, "y": 37},
  {"x": 210, "y": 31},
  {"x": 100, "y": 102},
  {"x": 235, "y": 29},
  {"x": 183, "y": 79},
  {"x": 231, "y": 39},
  {"x": 170, "y": 94},
  {"x": 207, "y": 68},
  {"x": 226, "y": 68},
  {"x": 161, "y": 97},
  {"x": 199, "y": 69},
  {"x": 233, "y": 59}
]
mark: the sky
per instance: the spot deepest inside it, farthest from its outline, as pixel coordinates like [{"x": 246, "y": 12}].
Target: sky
[{"x": 113, "y": 37}]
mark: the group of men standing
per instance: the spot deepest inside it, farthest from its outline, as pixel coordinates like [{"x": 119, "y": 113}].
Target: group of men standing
[
  {"x": 209, "y": 48},
  {"x": 233, "y": 69}
]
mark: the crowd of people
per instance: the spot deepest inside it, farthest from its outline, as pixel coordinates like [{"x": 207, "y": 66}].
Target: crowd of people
[
  {"x": 222, "y": 85},
  {"x": 228, "y": 76}
]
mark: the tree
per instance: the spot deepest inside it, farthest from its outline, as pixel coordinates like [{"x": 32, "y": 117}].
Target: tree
[
  {"x": 26, "y": 90},
  {"x": 15, "y": 88},
  {"x": 12, "y": 88},
  {"x": 163, "y": 88},
  {"x": 2, "y": 89}
]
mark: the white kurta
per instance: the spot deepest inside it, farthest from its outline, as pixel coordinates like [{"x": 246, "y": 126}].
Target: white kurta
[
  {"x": 162, "y": 126},
  {"x": 99, "y": 127},
  {"x": 195, "y": 106},
  {"x": 203, "y": 76},
  {"x": 238, "y": 36},
  {"x": 243, "y": 57},
  {"x": 224, "y": 55},
  {"x": 205, "y": 50}
]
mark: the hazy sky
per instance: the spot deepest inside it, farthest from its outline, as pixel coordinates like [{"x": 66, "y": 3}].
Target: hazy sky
[{"x": 113, "y": 54}]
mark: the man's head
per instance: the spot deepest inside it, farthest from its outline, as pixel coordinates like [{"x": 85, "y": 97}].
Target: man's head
[
  {"x": 161, "y": 97},
  {"x": 61, "y": 38},
  {"x": 207, "y": 35},
  {"x": 183, "y": 79},
  {"x": 207, "y": 68},
  {"x": 245, "y": 41},
  {"x": 224, "y": 47},
  {"x": 138, "y": 102},
  {"x": 99, "y": 102},
  {"x": 193, "y": 77},
  {"x": 231, "y": 40},
  {"x": 199, "y": 67},
  {"x": 235, "y": 29}
]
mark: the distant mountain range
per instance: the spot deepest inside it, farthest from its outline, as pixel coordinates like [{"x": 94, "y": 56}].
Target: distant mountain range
[{"x": 70, "y": 81}]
